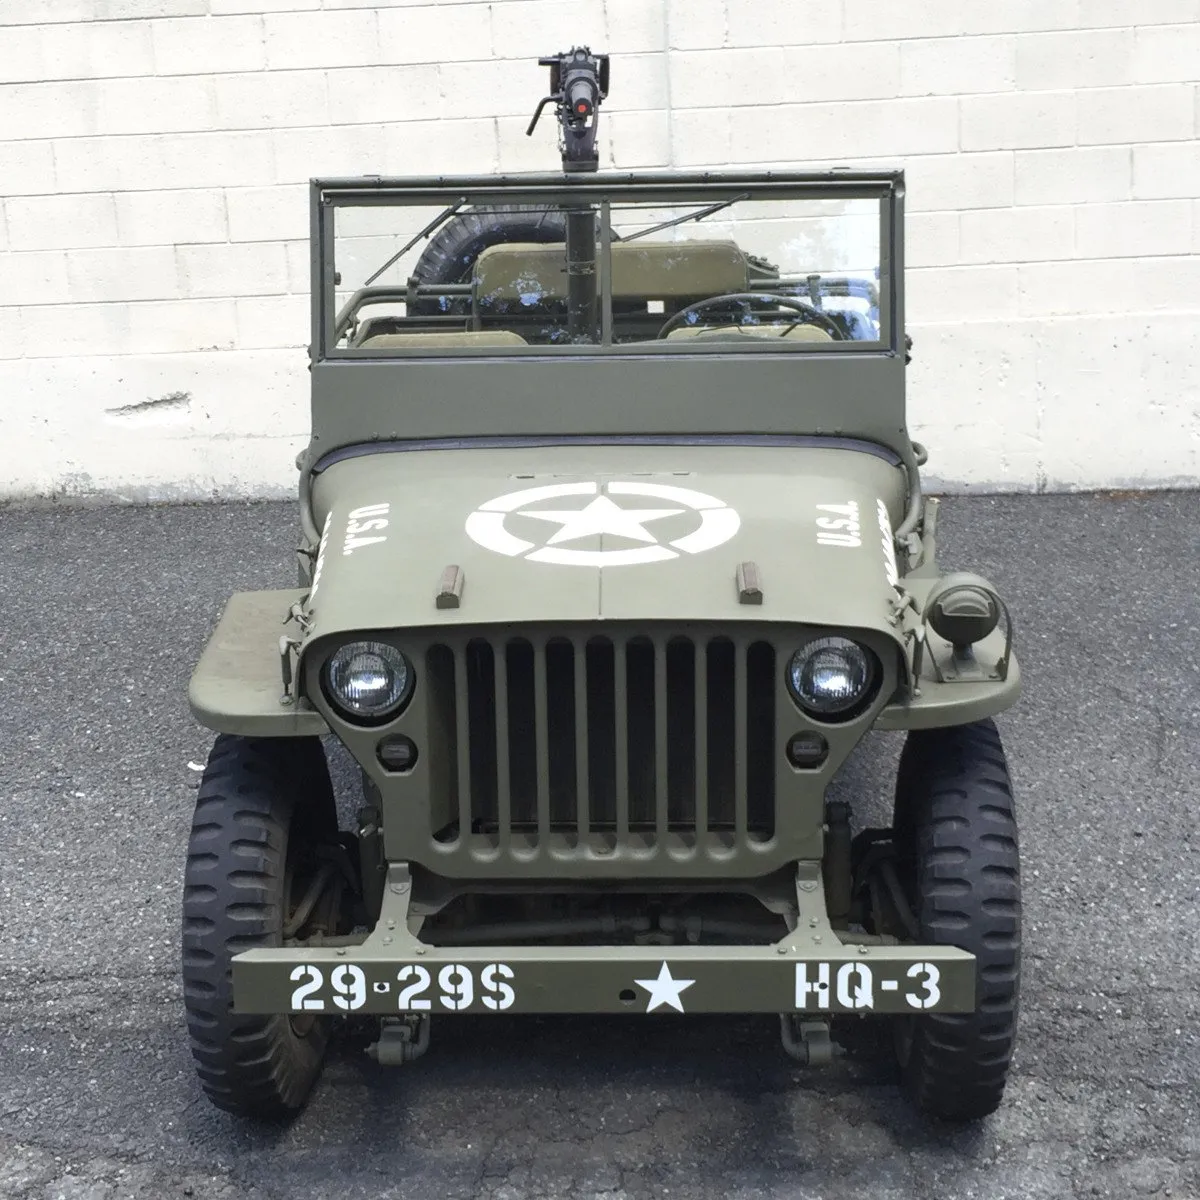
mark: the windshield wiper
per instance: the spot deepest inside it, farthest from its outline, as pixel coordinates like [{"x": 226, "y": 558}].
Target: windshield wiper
[
  {"x": 699, "y": 215},
  {"x": 440, "y": 219}
]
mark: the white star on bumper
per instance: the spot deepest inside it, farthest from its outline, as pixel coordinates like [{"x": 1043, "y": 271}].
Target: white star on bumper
[
  {"x": 664, "y": 989},
  {"x": 601, "y": 516}
]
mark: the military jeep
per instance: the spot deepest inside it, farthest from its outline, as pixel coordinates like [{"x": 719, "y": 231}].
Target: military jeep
[{"x": 613, "y": 549}]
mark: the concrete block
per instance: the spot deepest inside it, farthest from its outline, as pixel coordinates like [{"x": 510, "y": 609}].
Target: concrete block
[
  {"x": 999, "y": 235},
  {"x": 374, "y": 95},
  {"x": 131, "y": 10},
  {"x": 931, "y": 239},
  {"x": 173, "y": 104},
  {"x": 961, "y": 294},
  {"x": 167, "y": 218},
  {"x": 1070, "y": 288},
  {"x": 954, "y": 66},
  {"x": 515, "y": 29},
  {"x": 13, "y": 340},
  {"x": 451, "y": 147},
  {"x": 271, "y": 322},
  {"x": 637, "y": 139},
  {"x": 1135, "y": 114},
  {"x": 1166, "y": 53},
  {"x": 959, "y": 181},
  {"x": 50, "y": 10},
  {"x": 34, "y": 277},
  {"x": 1074, "y": 58},
  {"x": 1168, "y": 169},
  {"x": 759, "y": 78},
  {"x": 60, "y": 51},
  {"x": 123, "y": 273},
  {"x": 972, "y": 399},
  {"x": 322, "y": 39},
  {"x": 158, "y": 161},
  {"x": 232, "y": 269},
  {"x": 271, "y": 99},
  {"x": 267, "y": 214},
  {"x": 632, "y": 27},
  {"x": 47, "y": 110},
  {"x": 1016, "y": 120},
  {"x": 27, "y": 168},
  {"x": 1094, "y": 374},
  {"x": 68, "y": 330},
  {"x": 299, "y": 268},
  {"x": 1137, "y": 12},
  {"x": 61, "y": 222},
  {"x": 1135, "y": 228},
  {"x": 703, "y": 24},
  {"x": 182, "y": 325},
  {"x": 885, "y": 20},
  {"x": 329, "y": 150},
  {"x": 208, "y": 45},
  {"x": 781, "y": 23},
  {"x": 841, "y": 133},
  {"x": 224, "y": 7},
  {"x": 1073, "y": 175}
]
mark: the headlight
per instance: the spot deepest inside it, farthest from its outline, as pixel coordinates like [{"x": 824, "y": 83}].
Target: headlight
[
  {"x": 368, "y": 680},
  {"x": 831, "y": 675}
]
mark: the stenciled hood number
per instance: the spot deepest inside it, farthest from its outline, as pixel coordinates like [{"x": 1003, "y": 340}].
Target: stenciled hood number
[{"x": 624, "y": 511}]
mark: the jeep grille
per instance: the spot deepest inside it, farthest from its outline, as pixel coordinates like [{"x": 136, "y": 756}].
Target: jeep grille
[{"x": 586, "y": 746}]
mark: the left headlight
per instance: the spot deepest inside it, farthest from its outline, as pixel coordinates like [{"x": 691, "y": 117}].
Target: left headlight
[
  {"x": 831, "y": 676},
  {"x": 368, "y": 680}
]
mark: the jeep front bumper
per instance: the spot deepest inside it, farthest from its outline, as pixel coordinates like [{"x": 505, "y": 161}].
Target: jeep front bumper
[{"x": 811, "y": 970}]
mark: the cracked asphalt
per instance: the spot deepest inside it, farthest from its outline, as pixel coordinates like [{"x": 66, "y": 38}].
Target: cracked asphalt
[{"x": 102, "y": 613}]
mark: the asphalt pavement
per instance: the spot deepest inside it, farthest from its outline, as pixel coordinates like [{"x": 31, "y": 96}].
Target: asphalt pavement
[{"x": 102, "y": 614}]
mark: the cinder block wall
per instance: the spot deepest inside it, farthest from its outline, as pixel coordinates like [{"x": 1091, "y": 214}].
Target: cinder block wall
[{"x": 153, "y": 158}]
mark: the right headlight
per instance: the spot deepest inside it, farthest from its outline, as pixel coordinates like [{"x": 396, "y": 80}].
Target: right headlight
[
  {"x": 368, "y": 681},
  {"x": 831, "y": 676}
]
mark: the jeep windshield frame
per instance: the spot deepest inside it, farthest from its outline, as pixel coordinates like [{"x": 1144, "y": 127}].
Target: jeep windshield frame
[{"x": 684, "y": 212}]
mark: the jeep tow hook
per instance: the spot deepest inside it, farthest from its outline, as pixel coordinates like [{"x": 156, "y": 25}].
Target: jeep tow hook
[
  {"x": 807, "y": 1041},
  {"x": 401, "y": 1040}
]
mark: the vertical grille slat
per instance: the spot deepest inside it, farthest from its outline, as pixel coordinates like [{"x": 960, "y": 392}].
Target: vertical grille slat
[
  {"x": 621, "y": 720},
  {"x": 583, "y": 723},
  {"x": 503, "y": 774},
  {"x": 541, "y": 740},
  {"x": 740, "y": 761},
  {"x": 662, "y": 793},
  {"x": 565, "y": 744},
  {"x": 700, "y": 700},
  {"x": 462, "y": 734}
]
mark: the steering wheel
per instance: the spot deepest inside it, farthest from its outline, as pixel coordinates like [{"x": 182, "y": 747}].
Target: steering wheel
[{"x": 808, "y": 314}]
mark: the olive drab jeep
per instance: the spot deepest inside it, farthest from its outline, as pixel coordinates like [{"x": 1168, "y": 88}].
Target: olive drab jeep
[{"x": 613, "y": 550}]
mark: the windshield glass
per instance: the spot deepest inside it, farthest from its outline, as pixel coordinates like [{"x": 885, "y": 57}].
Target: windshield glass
[{"x": 588, "y": 272}]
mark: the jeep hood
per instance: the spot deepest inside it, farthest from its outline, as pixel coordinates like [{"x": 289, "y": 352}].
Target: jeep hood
[{"x": 577, "y": 533}]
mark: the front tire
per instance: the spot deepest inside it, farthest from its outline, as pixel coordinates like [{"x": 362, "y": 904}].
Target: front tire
[
  {"x": 264, "y": 810},
  {"x": 955, "y": 835}
]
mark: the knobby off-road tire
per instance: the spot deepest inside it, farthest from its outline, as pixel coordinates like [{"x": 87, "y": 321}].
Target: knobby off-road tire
[
  {"x": 264, "y": 806},
  {"x": 451, "y": 253},
  {"x": 956, "y": 843}
]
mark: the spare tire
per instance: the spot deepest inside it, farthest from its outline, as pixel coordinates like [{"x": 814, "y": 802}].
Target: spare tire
[{"x": 452, "y": 251}]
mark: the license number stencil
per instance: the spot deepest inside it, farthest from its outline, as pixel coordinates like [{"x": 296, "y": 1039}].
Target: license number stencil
[
  {"x": 853, "y": 986},
  {"x": 456, "y": 988}
]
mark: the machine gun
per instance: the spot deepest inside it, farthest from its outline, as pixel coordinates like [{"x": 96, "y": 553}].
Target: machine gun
[{"x": 578, "y": 83}]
